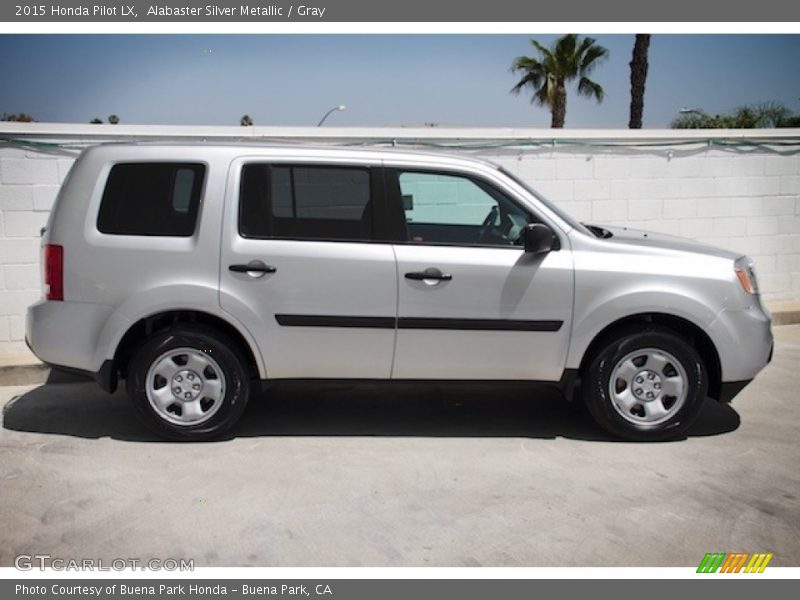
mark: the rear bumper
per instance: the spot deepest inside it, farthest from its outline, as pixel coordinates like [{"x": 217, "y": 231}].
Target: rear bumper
[
  {"x": 64, "y": 335},
  {"x": 67, "y": 333},
  {"x": 106, "y": 377}
]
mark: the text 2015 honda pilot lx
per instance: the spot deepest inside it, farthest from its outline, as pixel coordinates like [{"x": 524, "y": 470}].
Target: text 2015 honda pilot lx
[{"x": 196, "y": 272}]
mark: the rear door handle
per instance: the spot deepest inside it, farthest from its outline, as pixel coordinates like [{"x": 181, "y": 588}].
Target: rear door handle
[
  {"x": 255, "y": 268},
  {"x": 431, "y": 273}
]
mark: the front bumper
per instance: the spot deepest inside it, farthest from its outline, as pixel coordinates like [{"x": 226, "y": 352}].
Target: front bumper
[
  {"x": 743, "y": 339},
  {"x": 729, "y": 390}
]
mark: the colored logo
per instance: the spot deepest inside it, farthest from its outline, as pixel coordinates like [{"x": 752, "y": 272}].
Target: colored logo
[{"x": 736, "y": 562}]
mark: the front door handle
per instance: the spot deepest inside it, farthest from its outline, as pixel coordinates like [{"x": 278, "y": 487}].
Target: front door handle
[
  {"x": 255, "y": 268},
  {"x": 431, "y": 273}
]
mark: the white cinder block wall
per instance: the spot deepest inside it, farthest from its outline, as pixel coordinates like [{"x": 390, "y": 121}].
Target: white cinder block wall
[
  {"x": 749, "y": 203},
  {"x": 739, "y": 190}
]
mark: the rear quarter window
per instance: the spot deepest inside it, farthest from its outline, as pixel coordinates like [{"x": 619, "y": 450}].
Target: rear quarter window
[{"x": 154, "y": 199}]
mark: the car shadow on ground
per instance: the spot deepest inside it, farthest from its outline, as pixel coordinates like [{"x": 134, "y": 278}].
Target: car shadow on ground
[{"x": 395, "y": 410}]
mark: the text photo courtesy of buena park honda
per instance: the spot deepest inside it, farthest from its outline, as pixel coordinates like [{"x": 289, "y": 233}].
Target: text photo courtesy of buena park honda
[{"x": 525, "y": 300}]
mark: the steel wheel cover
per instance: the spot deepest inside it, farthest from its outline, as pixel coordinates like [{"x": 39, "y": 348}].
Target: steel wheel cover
[
  {"x": 185, "y": 386},
  {"x": 648, "y": 386}
]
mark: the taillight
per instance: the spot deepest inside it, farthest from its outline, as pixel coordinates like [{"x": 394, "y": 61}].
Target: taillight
[{"x": 53, "y": 272}]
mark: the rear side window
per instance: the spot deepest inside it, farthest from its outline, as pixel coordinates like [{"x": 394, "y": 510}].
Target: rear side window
[
  {"x": 160, "y": 199},
  {"x": 305, "y": 202}
]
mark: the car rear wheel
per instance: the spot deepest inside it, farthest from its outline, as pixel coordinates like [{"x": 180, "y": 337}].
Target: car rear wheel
[
  {"x": 188, "y": 383},
  {"x": 645, "y": 385}
]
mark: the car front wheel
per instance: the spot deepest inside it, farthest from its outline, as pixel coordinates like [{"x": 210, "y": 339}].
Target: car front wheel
[{"x": 645, "y": 385}]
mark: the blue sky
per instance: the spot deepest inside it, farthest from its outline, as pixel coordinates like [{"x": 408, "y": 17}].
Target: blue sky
[{"x": 452, "y": 80}]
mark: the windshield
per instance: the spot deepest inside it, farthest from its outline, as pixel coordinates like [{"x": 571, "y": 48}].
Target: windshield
[{"x": 566, "y": 217}]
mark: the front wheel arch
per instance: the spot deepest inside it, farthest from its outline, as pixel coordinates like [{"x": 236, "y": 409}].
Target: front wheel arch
[{"x": 677, "y": 325}]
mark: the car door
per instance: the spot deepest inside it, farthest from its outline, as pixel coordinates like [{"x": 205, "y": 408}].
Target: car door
[
  {"x": 472, "y": 304},
  {"x": 301, "y": 269}
]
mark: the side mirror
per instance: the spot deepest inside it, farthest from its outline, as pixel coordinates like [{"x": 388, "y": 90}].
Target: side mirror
[{"x": 539, "y": 239}]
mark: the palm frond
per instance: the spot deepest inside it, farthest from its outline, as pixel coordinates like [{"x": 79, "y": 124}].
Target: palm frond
[
  {"x": 545, "y": 52},
  {"x": 567, "y": 59},
  {"x": 543, "y": 96},
  {"x": 593, "y": 56},
  {"x": 590, "y": 89},
  {"x": 586, "y": 43},
  {"x": 525, "y": 63},
  {"x": 533, "y": 71},
  {"x": 533, "y": 80}
]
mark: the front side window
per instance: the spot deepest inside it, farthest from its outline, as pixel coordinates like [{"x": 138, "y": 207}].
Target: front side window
[
  {"x": 152, "y": 199},
  {"x": 305, "y": 202},
  {"x": 443, "y": 208}
]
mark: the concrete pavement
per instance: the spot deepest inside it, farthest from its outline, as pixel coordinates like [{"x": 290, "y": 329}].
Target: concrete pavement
[{"x": 406, "y": 476}]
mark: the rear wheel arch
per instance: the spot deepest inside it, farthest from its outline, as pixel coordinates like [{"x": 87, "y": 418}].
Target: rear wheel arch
[{"x": 144, "y": 328}]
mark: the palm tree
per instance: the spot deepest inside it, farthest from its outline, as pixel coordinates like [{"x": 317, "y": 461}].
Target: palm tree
[
  {"x": 750, "y": 116},
  {"x": 113, "y": 119},
  {"x": 246, "y": 121},
  {"x": 569, "y": 57},
  {"x": 20, "y": 118},
  {"x": 638, "y": 66}
]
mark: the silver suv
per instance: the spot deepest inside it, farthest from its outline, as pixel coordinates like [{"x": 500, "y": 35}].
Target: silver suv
[{"x": 196, "y": 272}]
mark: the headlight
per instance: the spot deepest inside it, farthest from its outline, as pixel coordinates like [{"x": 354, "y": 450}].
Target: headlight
[{"x": 746, "y": 274}]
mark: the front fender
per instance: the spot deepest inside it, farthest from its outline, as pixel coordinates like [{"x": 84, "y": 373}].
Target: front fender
[{"x": 595, "y": 316}]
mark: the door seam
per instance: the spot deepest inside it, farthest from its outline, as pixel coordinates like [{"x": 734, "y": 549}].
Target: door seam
[{"x": 396, "y": 309}]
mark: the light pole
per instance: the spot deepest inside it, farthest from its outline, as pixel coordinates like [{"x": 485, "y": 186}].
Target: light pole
[{"x": 339, "y": 108}]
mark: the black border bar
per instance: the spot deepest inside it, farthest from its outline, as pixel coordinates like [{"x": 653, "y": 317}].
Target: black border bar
[
  {"x": 739, "y": 587},
  {"x": 443, "y": 11}
]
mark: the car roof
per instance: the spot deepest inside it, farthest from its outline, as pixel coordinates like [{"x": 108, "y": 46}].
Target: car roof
[{"x": 353, "y": 152}]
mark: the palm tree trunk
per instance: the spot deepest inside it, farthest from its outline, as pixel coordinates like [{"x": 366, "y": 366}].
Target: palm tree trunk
[
  {"x": 638, "y": 77},
  {"x": 559, "y": 112}
]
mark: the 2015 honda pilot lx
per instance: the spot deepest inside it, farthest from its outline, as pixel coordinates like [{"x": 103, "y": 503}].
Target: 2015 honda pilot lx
[{"x": 195, "y": 272}]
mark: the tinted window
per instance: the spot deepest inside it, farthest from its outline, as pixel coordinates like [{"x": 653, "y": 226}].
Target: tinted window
[
  {"x": 182, "y": 191},
  {"x": 151, "y": 199},
  {"x": 450, "y": 209},
  {"x": 304, "y": 202}
]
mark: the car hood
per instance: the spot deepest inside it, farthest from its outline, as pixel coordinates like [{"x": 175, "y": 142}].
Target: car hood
[{"x": 650, "y": 239}]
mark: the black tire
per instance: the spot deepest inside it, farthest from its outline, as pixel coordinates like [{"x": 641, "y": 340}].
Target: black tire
[
  {"x": 598, "y": 396},
  {"x": 226, "y": 356}
]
